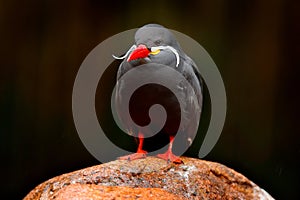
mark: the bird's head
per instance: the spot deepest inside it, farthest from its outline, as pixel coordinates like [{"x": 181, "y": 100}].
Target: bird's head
[
  {"x": 153, "y": 35},
  {"x": 154, "y": 43}
]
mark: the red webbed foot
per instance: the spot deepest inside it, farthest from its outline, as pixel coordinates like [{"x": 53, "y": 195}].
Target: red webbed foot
[
  {"x": 138, "y": 155},
  {"x": 140, "y": 152},
  {"x": 169, "y": 156}
]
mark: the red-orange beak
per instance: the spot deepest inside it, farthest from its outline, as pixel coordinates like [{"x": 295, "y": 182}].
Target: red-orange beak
[{"x": 140, "y": 52}]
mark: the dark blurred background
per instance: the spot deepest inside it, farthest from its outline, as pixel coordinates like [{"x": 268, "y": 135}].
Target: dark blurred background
[{"x": 255, "y": 44}]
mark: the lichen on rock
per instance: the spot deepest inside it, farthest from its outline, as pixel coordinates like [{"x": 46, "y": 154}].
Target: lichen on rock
[{"x": 151, "y": 178}]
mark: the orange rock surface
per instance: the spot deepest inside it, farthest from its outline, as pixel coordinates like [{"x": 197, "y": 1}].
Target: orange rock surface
[{"x": 150, "y": 178}]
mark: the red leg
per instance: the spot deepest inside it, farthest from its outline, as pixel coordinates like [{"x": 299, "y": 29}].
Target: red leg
[
  {"x": 168, "y": 155},
  {"x": 140, "y": 153}
]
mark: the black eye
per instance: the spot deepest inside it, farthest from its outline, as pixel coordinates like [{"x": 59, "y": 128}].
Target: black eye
[{"x": 158, "y": 42}]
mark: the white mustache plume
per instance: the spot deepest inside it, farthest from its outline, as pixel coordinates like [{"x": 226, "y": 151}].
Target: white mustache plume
[{"x": 153, "y": 49}]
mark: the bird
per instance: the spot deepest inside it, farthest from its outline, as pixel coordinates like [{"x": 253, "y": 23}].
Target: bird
[{"x": 156, "y": 45}]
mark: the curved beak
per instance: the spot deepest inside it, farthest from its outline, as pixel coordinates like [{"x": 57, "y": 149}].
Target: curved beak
[{"x": 140, "y": 52}]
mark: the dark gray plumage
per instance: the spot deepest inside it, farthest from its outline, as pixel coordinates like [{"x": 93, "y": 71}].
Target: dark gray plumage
[{"x": 156, "y": 36}]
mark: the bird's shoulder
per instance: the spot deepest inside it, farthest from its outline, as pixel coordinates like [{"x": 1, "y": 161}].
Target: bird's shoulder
[
  {"x": 123, "y": 68},
  {"x": 191, "y": 71}
]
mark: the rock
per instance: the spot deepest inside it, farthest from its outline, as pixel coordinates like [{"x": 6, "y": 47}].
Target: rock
[
  {"x": 150, "y": 178},
  {"x": 88, "y": 191}
]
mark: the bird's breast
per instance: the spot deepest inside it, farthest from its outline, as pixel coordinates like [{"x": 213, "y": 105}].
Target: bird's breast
[{"x": 149, "y": 94}]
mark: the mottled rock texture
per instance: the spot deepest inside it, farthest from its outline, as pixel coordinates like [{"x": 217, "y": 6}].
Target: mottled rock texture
[{"x": 151, "y": 178}]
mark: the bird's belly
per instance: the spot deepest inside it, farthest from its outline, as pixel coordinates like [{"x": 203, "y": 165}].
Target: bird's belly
[{"x": 148, "y": 95}]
